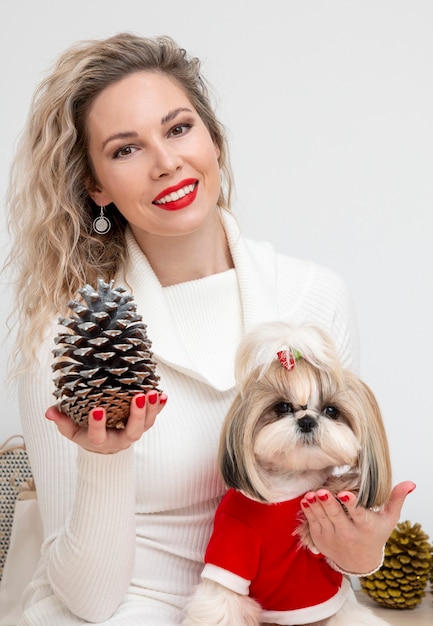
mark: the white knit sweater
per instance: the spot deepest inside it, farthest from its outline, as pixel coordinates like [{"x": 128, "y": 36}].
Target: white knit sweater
[{"x": 125, "y": 533}]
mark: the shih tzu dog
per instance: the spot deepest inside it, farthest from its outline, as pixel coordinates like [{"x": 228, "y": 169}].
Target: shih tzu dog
[{"x": 299, "y": 422}]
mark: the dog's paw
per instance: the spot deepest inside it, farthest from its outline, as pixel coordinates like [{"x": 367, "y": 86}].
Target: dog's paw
[{"x": 214, "y": 605}]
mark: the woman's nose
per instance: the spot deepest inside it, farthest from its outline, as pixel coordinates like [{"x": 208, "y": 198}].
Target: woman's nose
[{"x": 166, "y": 161}]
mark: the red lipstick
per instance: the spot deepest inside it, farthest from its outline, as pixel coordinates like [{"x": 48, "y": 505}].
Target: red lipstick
[{"x": 177, "y": 197}]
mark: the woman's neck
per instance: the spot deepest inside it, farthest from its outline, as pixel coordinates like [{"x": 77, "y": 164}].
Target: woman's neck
[{"x": 187, "y": 257}]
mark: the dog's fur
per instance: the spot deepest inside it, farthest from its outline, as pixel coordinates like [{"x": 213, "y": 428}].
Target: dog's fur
[{"x": 290, "y": 431}]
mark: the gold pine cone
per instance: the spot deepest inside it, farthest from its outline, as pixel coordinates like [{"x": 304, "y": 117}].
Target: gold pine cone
[{"x": 401, "y": 581}]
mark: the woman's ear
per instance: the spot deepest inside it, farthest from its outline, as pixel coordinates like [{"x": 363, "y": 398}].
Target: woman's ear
[{"x": 99, "y": 197}]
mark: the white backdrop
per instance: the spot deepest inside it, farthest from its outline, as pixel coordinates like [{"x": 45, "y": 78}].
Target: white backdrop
[{"x": 329, "y": 107}]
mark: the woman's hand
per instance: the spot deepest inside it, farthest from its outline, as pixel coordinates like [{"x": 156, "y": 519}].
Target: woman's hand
[
  {"x": 97, "y": 438},
  {"x": 354, "y": 540}
]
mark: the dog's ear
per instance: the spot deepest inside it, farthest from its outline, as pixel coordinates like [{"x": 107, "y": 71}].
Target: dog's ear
[
  {"x": 236, "y": 453},
  {"x": 374, "y": 462}
]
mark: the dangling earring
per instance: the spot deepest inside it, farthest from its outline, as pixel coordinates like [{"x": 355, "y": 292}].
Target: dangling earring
[{"x": 101, "y": 224}]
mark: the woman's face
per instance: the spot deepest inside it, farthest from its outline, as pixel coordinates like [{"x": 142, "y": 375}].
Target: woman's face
[{"x": 152, "y": 156}]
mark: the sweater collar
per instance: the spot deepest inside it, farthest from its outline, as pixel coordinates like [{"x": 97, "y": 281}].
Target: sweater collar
[{"x": 255, "y": 269}]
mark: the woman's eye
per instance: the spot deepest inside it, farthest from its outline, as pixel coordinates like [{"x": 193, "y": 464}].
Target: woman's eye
[
  {"x": 124, "y": 151},
  {"x": 331, "y": 411},
  {"x": 283, "y": 408},
  {"x": 180, "y": 129}
]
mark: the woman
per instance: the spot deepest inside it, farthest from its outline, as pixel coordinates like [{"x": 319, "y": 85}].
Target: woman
[{"x": 124, "y": 129}]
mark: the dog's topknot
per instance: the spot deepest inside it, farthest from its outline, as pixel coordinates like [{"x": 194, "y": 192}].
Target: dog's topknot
[{"x": 261, "y": 346}]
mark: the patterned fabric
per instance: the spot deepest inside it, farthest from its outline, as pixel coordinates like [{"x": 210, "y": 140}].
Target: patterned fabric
[{"x": 14, "y": 471}]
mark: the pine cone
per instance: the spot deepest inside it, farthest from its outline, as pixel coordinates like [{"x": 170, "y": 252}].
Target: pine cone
[
  {"x": 401, "y": 581},
  {"x": 431, "y": 572},
  {"x": 104, "y": 356}
]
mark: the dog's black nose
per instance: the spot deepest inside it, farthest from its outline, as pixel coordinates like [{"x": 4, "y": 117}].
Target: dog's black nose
[{"x": 307, "y": 424}]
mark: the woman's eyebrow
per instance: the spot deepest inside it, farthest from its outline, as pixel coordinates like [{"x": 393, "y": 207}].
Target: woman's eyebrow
[
  {"x": 125, "y": 135},
  {"x": 172, "y": 114}
]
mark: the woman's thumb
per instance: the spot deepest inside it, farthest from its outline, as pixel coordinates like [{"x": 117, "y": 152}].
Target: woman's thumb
[{"x": 397, "y": 499}]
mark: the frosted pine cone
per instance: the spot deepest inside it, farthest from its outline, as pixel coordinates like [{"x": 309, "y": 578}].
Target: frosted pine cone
[{"x": 104, "y": 356}]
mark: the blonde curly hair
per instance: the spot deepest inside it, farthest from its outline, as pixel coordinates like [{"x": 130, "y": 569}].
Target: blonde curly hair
[{"x": 50, "y": 213}]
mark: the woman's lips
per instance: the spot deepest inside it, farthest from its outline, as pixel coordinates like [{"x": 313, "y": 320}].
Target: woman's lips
[{"x": 177, "y": 197}]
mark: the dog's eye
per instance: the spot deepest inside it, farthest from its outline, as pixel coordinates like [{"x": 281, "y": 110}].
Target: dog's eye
[
  {"x": 331, "y": 411},
  {"x": 283, "y": 408}
]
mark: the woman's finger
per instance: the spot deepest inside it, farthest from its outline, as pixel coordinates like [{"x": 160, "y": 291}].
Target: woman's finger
[
  {"x": 155, "y": 403},
  {"x": 143, "y": 412},
  {"x": 65, "y": 425},
  {"x": 97, "y": 428},
  {"x": 322, "y": 508}
]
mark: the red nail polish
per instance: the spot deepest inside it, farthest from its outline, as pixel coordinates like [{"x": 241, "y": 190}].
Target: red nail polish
[
  {"x": 163, "y": 399},
  {"x": 344, "y": 498},
  {"x": 311, "y": 499},
  {"x": 140, "y": 401},
  {"x": 305, "y": 504},
  {"x": 152, "y": 397},
  {"x": 322, "y": 497},
  {"x": 98, "y": 414}
]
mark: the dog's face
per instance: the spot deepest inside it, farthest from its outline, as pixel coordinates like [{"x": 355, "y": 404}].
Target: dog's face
[
  {"x": 296, "y": 423},
  {"x": 307, "y": 421}
]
